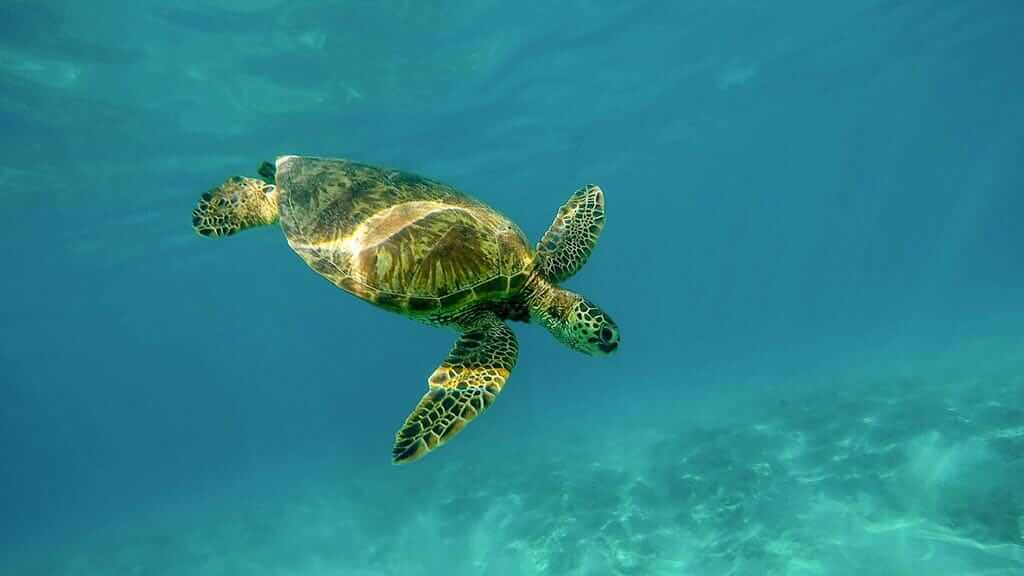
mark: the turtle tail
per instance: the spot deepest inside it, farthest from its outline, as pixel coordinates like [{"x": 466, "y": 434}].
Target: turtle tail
[{"x": 237, "y": 204}]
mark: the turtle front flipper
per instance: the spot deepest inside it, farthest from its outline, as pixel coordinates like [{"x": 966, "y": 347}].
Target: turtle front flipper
[
  {"x": 237, "y": 204},
  {"x": 461, "y": 388},
  {"x": 570, "y": 239}
]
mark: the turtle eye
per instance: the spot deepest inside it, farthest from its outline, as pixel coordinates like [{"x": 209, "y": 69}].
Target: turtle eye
[{"x": 607, "y": 334}]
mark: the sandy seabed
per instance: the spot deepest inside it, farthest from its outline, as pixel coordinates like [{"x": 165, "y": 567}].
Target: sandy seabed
[{"x": 897, "y": 469}]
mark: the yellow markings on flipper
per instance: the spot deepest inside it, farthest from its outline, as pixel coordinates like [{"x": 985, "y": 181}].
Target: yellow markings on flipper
[
  {"x": 571, "y": 238},
  {"x": 237, "y": 204},
  {"x": 465, "y": 385}
]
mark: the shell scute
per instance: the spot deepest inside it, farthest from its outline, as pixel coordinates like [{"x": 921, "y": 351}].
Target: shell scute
[{"x": 396, "y": 239}]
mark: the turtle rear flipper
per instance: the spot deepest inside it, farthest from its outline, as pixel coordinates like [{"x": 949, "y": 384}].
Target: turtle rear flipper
[
  {"x": 237, "y": 204},
  {"x": 570, "y": 239},
  {"x": 461, "y": 388}
]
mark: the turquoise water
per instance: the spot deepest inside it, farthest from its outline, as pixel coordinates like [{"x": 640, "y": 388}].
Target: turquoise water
[{"x": 813, "y": 252}]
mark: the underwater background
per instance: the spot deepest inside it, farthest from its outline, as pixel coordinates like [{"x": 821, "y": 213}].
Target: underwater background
[{"x": 813, "y": 252}]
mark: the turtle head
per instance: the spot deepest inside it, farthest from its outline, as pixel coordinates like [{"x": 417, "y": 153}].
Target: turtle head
[
  {"x": 575, "y": 321},
  {"x": 235, "y": 205}
]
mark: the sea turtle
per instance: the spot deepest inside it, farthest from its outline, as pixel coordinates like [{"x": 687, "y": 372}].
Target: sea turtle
[{"x": 423, "y": 249}]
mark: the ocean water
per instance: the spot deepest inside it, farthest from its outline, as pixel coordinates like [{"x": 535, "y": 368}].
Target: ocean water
[{"x": 813, "y": 251}]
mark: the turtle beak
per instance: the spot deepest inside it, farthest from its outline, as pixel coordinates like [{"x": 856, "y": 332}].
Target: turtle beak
[{"x": 608, "y": 347}]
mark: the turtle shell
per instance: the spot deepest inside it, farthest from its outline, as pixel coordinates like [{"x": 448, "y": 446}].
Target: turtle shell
[{"x": 398, "y": 240}]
